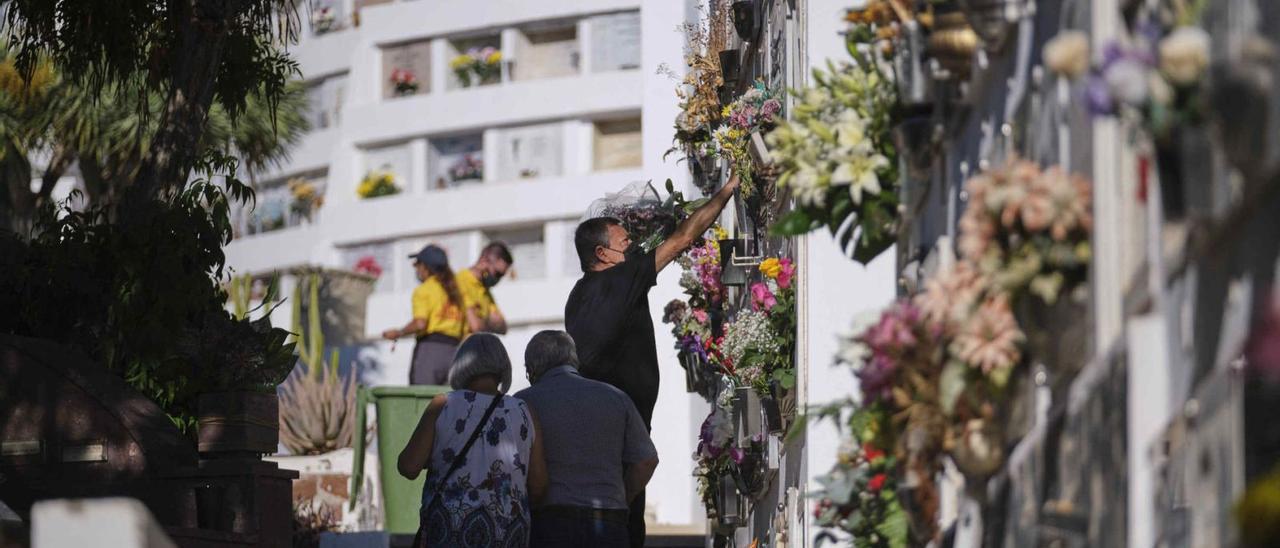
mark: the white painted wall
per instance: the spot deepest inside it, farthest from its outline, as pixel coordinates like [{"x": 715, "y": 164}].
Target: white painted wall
[
  {"x": 835, "y": 290},
  {"x": 556, "y": 202}
]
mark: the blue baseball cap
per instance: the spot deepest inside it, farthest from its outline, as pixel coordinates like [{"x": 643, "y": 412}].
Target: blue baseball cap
[{"x": 431, "y": 255}]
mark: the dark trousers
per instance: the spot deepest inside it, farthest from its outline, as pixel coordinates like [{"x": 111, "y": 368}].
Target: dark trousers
[
  {"x": 561, "y": 531},
  {"x": 635, "y": 522}
]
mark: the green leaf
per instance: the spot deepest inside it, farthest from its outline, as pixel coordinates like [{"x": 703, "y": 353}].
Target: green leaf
[
  {"x": 894, "y": 526},
  {"x": 795, "y": 223},
  {"x": 797, "y": 428}
]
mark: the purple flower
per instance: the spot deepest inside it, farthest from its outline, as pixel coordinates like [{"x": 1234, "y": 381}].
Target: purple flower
[
  {"x": 1098, "y": 96},
  {"x": 876, "y": 378},
  {"x": 737, "y": 455}
]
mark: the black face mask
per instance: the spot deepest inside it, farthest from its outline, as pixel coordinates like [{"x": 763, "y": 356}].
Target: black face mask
[{"x": 490, "y": 280}]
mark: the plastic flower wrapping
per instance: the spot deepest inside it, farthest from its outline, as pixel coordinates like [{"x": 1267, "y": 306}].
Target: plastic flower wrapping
[
  {"x": 377, "y": 183},
  {"x": 755, "y": 111},
  {"x": 838, "y": 161},
  {"x": 716, "y": 455},
  {"x": 1028, "y": 229}
]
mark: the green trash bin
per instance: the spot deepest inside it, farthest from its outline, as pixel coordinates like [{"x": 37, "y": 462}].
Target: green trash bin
[{"x": 399, "y": 408}]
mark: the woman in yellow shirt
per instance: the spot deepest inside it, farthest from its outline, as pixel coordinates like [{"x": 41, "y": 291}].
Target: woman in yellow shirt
[{"x": 440, "y": 318}]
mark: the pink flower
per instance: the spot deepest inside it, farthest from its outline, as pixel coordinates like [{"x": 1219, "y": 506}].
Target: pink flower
[
  {"x": 989, "y": 340},
  {"x": 700, "y": 315},
  {"x": 761, "y": 297},
  {"x": 788, "y": 271},
  {"x": 1263, "y": 347}
]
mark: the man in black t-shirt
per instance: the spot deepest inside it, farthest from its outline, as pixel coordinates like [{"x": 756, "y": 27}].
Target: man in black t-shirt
[{"x": 608, "y": 310}]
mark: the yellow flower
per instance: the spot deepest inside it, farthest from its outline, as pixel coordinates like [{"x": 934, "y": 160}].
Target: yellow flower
[
  {"x": 494, "y": 58},
  {"x": 771, "y": 267},
  {"x": 724, "y": 112},
  {"x": 720, "y": 232},
  {"x": 460, "y": 61}
]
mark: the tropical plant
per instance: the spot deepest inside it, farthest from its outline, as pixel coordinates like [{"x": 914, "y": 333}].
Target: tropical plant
[
  {"x": 317, "y": 404},
  {"x": 175, "y": 60},
  {"x": 108, "y": 139}
]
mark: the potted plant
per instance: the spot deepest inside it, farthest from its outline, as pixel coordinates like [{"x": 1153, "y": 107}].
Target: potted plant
[
  {"x": 238, "y": 363},
  {"x": 379, "y": 182}
]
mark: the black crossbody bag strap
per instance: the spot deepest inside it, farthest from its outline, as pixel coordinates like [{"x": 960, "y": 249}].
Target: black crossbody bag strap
[{"x": 475, "y": 434}]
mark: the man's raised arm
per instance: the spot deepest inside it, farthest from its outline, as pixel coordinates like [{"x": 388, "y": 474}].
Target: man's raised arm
[{"x": 694, "y": 226}]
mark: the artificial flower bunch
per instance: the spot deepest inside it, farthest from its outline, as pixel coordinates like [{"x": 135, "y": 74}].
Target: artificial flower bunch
[
  {"x": 368, "y": 266},
  {"x": 837, "y": 158},
  {"x": 756, "y": 111},
  {"x": 478, "y": 66},
  {"x": 323, "y": 21},
  {"x": 716, "y": 455},
  {"x": 701, "y": 276},
  {"x": 469, "y": 166},
  {"x": 759, "y": 343},
  {"x": 859, "y": 496},
  {"x": 306, "y": 198},
  {"x": 377, "y": 183},
  {"x": 697, "y": 91},
  {"x": 1028, "y": 229},
  {"x": 1157, "y": 78},
  {"x": 404, "y": 82}
]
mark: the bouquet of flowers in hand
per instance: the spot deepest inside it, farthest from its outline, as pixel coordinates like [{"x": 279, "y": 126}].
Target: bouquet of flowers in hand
[{"x": 648, "y": 218}]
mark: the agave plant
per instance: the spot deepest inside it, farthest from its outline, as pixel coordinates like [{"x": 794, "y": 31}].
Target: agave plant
[{"x": 317, "y": 403}]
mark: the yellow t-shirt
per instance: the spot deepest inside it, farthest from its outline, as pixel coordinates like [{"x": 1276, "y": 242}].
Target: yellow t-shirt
[
  {"x": 431, "y": 302},
  {"x": 475, "y": 294}
]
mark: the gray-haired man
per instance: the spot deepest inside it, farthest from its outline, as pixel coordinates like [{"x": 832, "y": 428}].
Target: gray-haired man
[{"x": 598, "y": 451}]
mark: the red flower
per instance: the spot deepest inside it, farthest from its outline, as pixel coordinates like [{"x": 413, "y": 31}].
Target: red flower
[
  {"x": 876, "y": 483},
  {"x": 871, "y": 453}
]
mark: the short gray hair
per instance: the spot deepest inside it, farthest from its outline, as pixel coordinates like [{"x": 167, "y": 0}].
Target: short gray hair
[
  {"x": 479, "y": 355},
  {"x": 549, "y": 349}
]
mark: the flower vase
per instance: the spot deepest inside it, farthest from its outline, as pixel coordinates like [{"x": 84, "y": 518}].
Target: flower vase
[
  {"x": 728, "y": 505},
  {"x": 909, "y": 66},
  {"x": 749, "y": 476},
  {"x": 771, "y": 408},
  {"x": 1186, "y": 172},
  {"x": 729, "y": 67},
  {"x": 1245, "y": 99},
  {"x": 694, "y": 367},
  {"x": 745, "y": 19},
  {"x": 993, "y": 20},
  {"x": 1057, "y": 335},
  {"x": 952, "y": 42},
  {"x": 978, "y": 451}
]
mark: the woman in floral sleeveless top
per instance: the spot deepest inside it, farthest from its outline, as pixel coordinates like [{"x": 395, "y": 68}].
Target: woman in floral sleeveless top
[{"x": 485, "y": 502}]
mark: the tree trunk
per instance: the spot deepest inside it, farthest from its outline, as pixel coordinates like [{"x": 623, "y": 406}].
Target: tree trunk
[{"x": 194, "y": 71}]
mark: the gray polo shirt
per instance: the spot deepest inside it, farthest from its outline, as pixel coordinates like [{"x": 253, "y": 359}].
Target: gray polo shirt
[{"x": 589, "y": 430}]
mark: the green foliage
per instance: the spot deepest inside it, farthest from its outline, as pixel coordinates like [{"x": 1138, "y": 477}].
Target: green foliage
[
  {"x": 143, "y": 297},
  {"x": 107, "y": 44}
]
